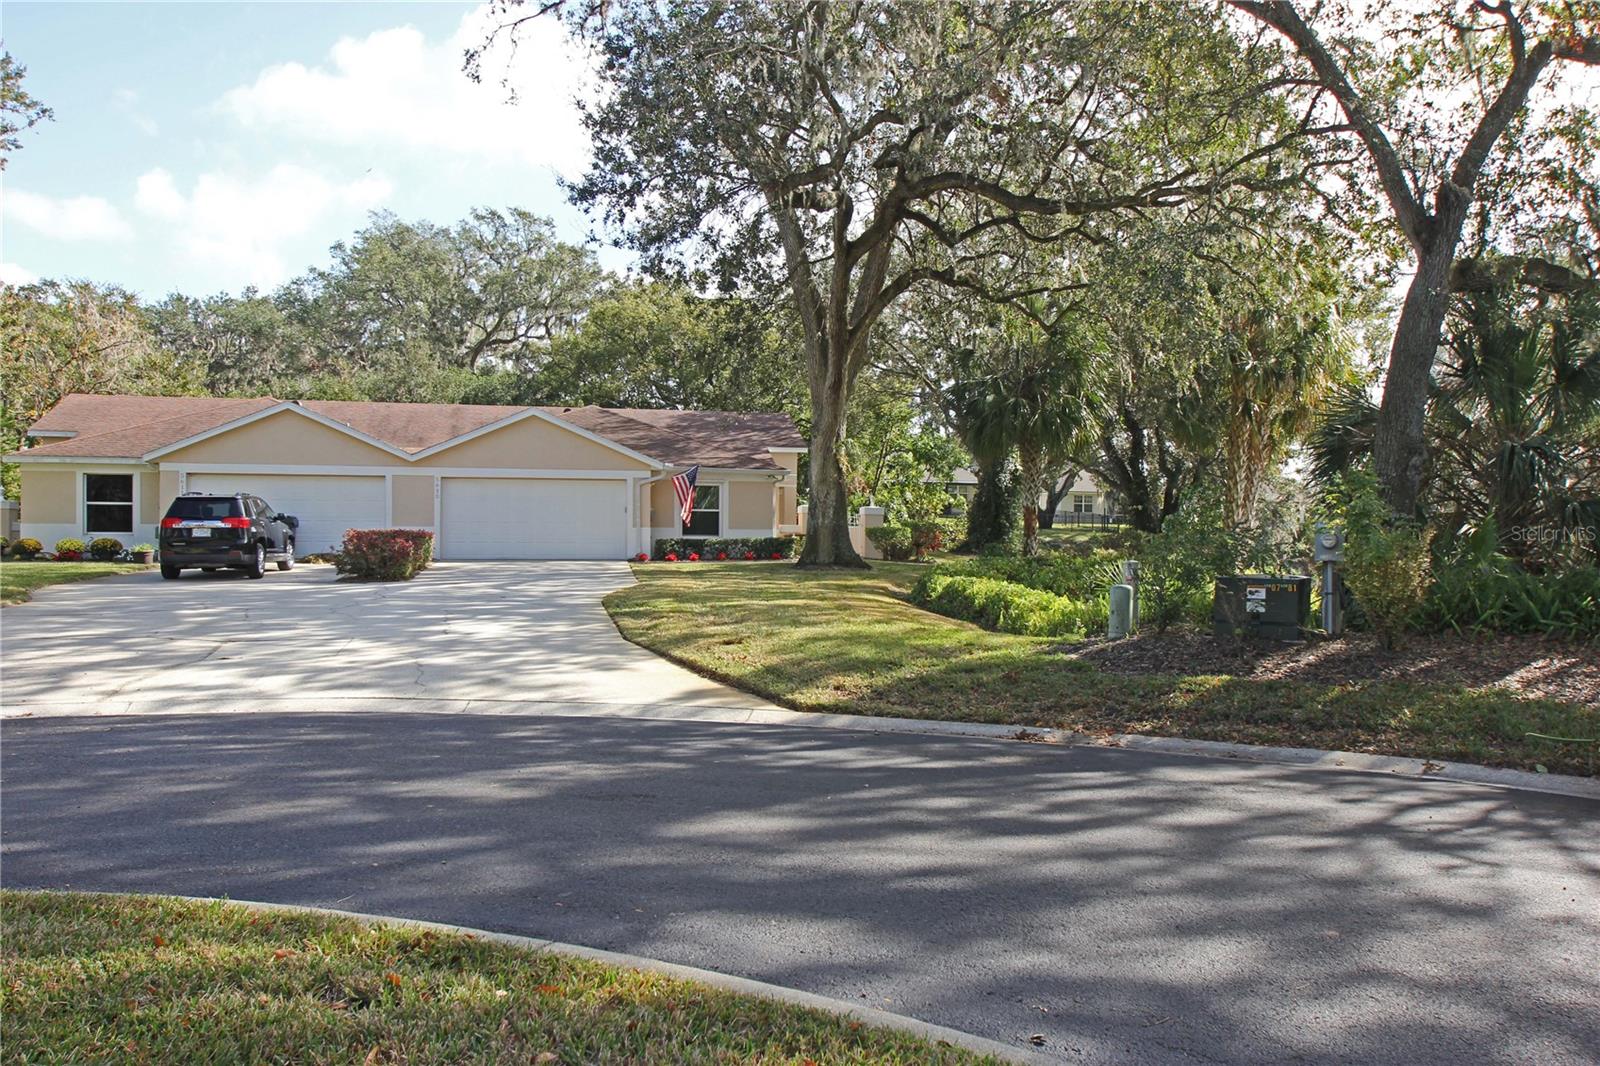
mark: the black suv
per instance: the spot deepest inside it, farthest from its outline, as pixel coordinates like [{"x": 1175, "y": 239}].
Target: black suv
[{"x": 205, "y": 530}]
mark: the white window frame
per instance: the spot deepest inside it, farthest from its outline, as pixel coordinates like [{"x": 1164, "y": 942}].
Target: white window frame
[
  {"x": 132, "y": 505},
  {"x": 1083, "y": 503},
  {"x": 722, "y": 513}
]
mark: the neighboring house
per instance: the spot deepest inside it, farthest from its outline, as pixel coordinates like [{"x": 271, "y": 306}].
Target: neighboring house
[
  {"x": 491, "y": 482},
  {"x": 1083, "y": 497}
]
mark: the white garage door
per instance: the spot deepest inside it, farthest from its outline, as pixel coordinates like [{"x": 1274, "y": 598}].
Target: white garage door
[
  {"x": 533, "y": 518},
  {"x": 326, "y": 505}
]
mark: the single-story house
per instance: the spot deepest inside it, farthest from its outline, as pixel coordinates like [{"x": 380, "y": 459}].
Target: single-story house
[
  {"x": 1084, "y": 497},
  {"x": 491, "y": 482}
]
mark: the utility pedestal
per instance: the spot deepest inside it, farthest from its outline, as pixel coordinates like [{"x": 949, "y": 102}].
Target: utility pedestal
[{"x": 1327, "y": 551}]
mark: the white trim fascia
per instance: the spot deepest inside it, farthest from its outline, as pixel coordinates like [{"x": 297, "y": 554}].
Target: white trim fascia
[
  {"x": 534, "y": 412},
  {"x": 23, "y": 458},
  {"x": 267, "y": 412},
  {"x": 58, "y": 434},
  {"x": 789, "y": 451},
  {"x": 387, "y": 471}
]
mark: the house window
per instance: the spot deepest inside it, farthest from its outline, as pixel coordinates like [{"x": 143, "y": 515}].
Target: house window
[
  {"x": 109, "y": 499},
  {"x": 1083, "y": 503},
  {"x": 706, "y": 518}
]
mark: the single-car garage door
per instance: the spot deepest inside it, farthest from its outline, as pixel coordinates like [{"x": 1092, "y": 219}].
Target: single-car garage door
[
  {"x": 533, "y": 518},
  {"x": 326, "y": 504}
]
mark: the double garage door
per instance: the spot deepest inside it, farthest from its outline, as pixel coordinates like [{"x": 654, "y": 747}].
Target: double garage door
[
  {"x": 326, "y": 506},
  {"x": 479, "y": 518}
]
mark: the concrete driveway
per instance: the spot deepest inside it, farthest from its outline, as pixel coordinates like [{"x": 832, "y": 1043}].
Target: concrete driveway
[{"x": 525, "y": 632}]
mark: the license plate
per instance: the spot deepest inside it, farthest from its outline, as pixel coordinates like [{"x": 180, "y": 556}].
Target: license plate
[{"x": 200, "y": 532}]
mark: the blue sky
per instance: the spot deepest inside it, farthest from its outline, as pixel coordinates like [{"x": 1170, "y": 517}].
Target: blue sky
[{"x": 206, "y": 147}]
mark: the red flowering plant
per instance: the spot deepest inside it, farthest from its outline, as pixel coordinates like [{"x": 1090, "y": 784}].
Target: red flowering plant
[
  {"x": 694, "y": 557},
  {"x": 777, "y": 555},
  {"x": 722, "y": 557},
  {"x": 749, "y": 556},
  {"x": 671, "y": 557},
  {"x": 642, "y": 557}
]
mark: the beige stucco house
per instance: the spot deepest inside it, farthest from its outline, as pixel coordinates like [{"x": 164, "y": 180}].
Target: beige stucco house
[
  {"x": 1085, "y": 497},
  {"x": 491, "y": 482}
]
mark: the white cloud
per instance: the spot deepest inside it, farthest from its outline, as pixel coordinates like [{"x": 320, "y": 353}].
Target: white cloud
[
  {"x": 395, "y": 88},
  {"x": 127, "y": 101},
  {"x": 12, "y": 274},
  {"x": 74, "y": 218},
  {"x": 240, "y": 226}
]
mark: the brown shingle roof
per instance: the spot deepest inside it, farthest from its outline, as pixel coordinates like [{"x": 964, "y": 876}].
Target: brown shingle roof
[
  {"x": 108, "y": 429},
  {"x": 731, "y": 439},
  {"x": 411, "y": 426},
  {"x": 131, "y": 426}
]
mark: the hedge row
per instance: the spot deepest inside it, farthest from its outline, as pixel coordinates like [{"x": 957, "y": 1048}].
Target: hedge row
[
  {"x": 1082, "y": 577},
  {"x": 733, "y": 547},
  {"x": 1007, "y": 606},
  {"x": 384, "y": 554}
]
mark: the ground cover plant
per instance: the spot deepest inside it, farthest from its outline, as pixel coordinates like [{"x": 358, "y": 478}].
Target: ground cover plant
[
  {"x": 100, "y": 978},
  {"x": 853, "y": 643}
]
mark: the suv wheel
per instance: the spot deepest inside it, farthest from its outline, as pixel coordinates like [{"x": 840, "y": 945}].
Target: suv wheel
[
  {"x": 287, "y": 562},
  {"x": 258, "y": 566},
  {"x": 170, "y": 572}
]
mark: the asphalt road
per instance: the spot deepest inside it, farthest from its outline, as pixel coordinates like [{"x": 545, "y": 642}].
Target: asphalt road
[{"x": 1127, "y": 907}]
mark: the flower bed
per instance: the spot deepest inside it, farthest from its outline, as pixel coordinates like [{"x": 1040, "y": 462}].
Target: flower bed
[{"x": 724, "y": 549}]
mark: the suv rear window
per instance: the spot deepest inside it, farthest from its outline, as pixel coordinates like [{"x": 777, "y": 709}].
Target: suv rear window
[{"x": 205, "y": 507}]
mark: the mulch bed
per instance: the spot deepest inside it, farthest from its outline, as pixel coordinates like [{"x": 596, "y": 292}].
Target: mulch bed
[{"x": 1531, "y": 666}]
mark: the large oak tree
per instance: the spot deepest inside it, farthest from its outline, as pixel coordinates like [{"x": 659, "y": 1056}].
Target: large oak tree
[
  {"x": 853, "y": 152},
  {"x": 1431, "y": 95}
]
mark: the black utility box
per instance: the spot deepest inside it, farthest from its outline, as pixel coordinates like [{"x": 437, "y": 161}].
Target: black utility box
[{"x": 1269, "y": 606}]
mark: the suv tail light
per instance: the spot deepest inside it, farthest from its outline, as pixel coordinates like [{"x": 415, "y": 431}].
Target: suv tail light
[
  {"x": 236, "y": 522},
  {"x": 170, "y": 523}
]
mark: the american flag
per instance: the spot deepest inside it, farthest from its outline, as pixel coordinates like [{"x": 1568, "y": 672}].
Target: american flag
[{"x": 683, "y": 485}]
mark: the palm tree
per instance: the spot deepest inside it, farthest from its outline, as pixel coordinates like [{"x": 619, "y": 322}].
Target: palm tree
[
  {"x": 1513, "y": 419},
  {"x": 1020, "y": 392}
]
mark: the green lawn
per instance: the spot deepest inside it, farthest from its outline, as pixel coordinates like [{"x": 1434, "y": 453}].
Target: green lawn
[
  {"x": 144, "y": 979},
  {"x": 18, "y": 579},
  {"x": 848, "y": 642}
]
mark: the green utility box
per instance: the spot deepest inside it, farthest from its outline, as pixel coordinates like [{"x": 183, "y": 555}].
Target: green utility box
[{"x": 1268, "y": 606}]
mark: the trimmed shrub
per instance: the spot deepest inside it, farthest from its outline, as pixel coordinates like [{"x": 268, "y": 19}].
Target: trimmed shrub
[
  {"x": 26, "y": 548},
  {"x": 733, "y": 547},
  {"x": 893, "y": 542},
  {"x": 1085, "y": 577},
  {"x": 384, "y": 554},
  {"x": 1007, "y": 606},
  {"x": 5, "y": 545},
  {"x": 105, "y": 548},
  {"x": 68, "y": 550}
]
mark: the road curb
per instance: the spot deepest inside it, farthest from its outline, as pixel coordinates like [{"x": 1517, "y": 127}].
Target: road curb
[
  {"x": 1412, "y": 769},
  {"x": 742, "y": 985}
]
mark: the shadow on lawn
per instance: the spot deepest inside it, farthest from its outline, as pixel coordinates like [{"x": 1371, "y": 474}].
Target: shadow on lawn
[{"x": 1128, "y": 907}]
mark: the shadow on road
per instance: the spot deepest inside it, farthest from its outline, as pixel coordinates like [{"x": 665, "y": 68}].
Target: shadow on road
[{"x": 1126, "y": 906}]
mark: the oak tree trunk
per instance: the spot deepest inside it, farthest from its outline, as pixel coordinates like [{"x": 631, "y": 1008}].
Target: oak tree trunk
[
  {"x": 828, "y": 517},
  {"x": 1399, "y": 446}
]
